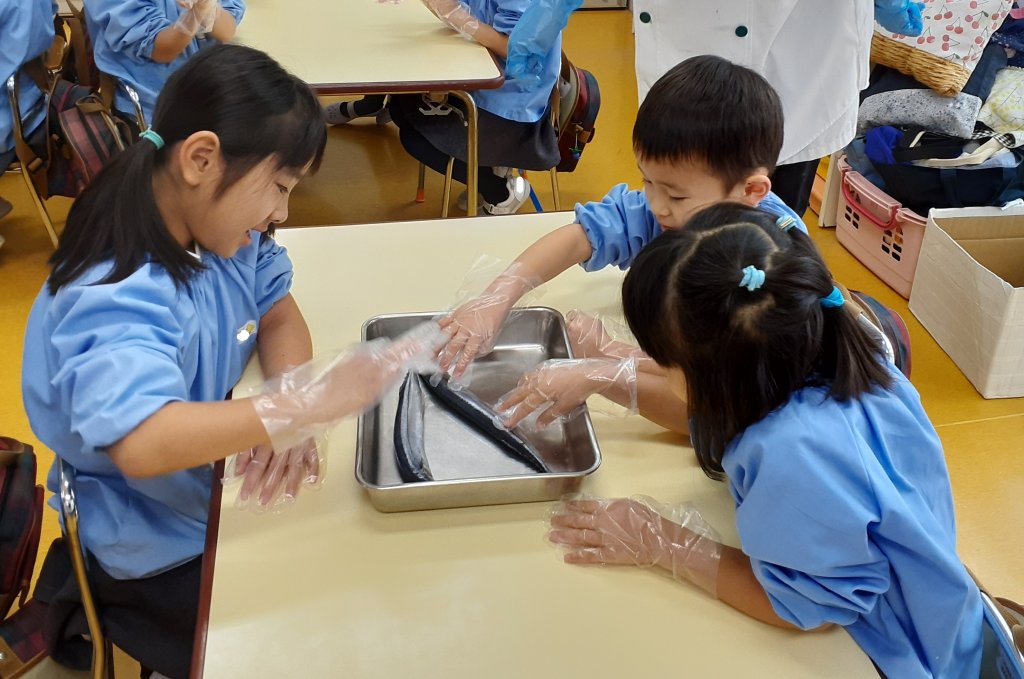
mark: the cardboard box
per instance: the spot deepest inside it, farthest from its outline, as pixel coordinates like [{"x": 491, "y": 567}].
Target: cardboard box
[{"x": 969, "y": 294}]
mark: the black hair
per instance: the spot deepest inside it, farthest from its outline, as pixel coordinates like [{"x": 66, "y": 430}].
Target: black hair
[
  {"x": 744, "y": 352},
  {"x": 257, "y": 110},
  {"x": 709, "y": 110}
]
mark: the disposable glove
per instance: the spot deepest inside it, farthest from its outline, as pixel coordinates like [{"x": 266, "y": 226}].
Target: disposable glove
[
  {"x": 273, "y": 480},
  {"x": 557, "y": 387},
  {"x": 456, "y": 14},
  {"x": 638, "y": 531},
  {"x": 899, "y": 16}
]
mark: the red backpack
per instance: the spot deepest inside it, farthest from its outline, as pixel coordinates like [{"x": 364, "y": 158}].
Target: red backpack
[{"x": 580, "y": 100}]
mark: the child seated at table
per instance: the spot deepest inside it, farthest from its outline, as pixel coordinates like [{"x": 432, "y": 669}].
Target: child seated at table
[
  {"x": 142, "y": 42},
  {"x": 514, "y": 127},
  {"x": 843, "y": 502},
  {"x": 164, "y": 284}
]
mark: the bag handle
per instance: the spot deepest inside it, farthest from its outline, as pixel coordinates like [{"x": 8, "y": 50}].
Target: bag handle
[{"x": 852, "y": 200}]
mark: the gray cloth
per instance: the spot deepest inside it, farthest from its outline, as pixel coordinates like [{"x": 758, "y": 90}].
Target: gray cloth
[{"x": 954, "y": 116}]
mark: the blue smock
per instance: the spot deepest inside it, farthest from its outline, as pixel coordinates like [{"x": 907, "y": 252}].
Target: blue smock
[
  {"x": 123, "y": 33},
  {"x": 621, "y": 224},
  {"x": 507, "y": 101},
  {"x": 846, "y": 513},
  {"x": 27, "y": 29},
  {"x": 101, "y": 358}
]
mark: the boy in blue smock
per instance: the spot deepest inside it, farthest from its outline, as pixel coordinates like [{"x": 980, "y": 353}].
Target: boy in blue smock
[
  {"x": 844, "y": 509},
  {"x": 27, "y": 33},
  {"x": 142, "y": 42},
  {"x": 708, "y": 131}
]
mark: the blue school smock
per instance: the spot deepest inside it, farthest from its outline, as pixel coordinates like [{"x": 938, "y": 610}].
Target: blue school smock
[
  {"x": 27, "y": 32},
  {"x": 102, "y": 357},
  {"x": 621, "y": 224},
  {"x": 508, "y": 101},
  {"x": 123, "y": 33},
  {"x": 846, "y": 513}
]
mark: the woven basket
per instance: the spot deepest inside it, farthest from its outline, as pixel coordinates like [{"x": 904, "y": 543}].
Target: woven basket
[{"x": 945, "y": 77}]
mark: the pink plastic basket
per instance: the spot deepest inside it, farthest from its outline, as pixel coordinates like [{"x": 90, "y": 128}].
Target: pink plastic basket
[{"x": 878, "y": 230}]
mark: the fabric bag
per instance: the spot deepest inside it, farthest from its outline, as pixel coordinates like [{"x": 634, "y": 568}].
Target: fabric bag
[
  {"x": 21, "y": 512},
  {"x": 580, "y": 101}
]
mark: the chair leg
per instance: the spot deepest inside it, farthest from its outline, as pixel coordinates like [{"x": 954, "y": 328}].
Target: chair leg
[
  {"x": 554, "y": 190},
  {"x": 40, "y": 207},
  {"x": 447, "y": 188},
  {"x": 421, "y": 193}
]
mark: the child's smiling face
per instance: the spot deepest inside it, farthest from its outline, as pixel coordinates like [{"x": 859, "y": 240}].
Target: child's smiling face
[{"x": 676, "y": 190}]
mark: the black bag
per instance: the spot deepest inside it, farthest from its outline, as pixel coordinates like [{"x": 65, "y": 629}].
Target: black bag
[{"x": 21, "y": 512}]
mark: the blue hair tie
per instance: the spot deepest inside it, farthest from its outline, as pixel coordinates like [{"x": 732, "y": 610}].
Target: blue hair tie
[
  {"x": 151, "y": 135},
  {"x": 753, "y": 278},
  {"x": 785, "y": 223},
  {"x": 833, "y": 300}
]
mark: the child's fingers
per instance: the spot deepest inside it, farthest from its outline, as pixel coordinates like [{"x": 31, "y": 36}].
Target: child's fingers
[
  {"x": 574, "y": 520},
  {"x": 311, "y": 465},
  {"x": 294, "y": 475},
  {"x": 274, "y": 479},
  {"x": 578, "y": 537},
  {"x": 590, "y": 556},
  {"x": 469, "y": 352},
  {"x": 255, "y": 470},
  {"x": 241, "y": 463}
]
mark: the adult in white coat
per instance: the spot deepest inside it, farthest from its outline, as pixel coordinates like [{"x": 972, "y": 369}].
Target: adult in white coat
[{"x": 813, "y": 52}]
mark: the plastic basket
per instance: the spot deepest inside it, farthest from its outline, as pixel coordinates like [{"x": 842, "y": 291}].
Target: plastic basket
[{"x": 878, "y": 230}]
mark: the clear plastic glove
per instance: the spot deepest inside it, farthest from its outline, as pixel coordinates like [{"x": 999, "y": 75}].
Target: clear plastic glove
[
  {"x": 638, "y": 531},
  {"x": 310, "y": 399},
  {"x": 456, "y": 14},
  {"x": 272, "y": 480},
  {"x": 473, "y": 326},
  {"x": 199, "y": 17},
  {"x": 899, "y": 16},
  {"x": 557, "y": 387},
  {"x": 532, "y": 39}
]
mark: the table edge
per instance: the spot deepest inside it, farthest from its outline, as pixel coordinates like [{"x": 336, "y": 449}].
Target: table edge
[{"x": 206, "y": 579}]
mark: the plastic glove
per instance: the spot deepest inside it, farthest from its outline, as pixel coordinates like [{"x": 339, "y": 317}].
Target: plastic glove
[
  {"x": 638, "y": 531},
  {"x": 474, "y": 325},
  {"x": 899, "y": 16},
  {"x": 199, "y": 17},
  {"x": 532, "y": 39},
  {"x": 310, "y": 399},
  {"x": 273, "y": 480},
  {"x": 557, "y": 387},
  {"x": 456, "y": 14}
]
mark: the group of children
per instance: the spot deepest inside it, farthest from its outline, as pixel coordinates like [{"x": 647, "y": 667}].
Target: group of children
[{"x": 167, "y": 280}]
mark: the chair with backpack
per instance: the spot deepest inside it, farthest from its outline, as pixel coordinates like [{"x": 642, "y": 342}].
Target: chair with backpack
[{"x": 575, "y": 102}]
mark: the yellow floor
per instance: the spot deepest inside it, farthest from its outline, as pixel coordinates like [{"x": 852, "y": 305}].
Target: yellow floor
[{"x": 366, "y": 177}]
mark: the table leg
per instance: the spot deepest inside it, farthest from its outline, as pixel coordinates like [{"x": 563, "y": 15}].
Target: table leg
[{"x": 471, "y": 151}]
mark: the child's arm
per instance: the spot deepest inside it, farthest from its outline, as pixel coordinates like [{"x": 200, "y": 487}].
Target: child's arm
[
  {"x": 474, "y": 324},
  {"x": 283, "y": 341},
  {"x": 202, "y": 16}
]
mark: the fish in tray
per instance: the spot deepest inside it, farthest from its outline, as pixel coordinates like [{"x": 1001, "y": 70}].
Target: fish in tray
[{"x": 410, "y": 450}]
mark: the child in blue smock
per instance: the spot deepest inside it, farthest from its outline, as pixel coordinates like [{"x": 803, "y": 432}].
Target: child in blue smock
[
  {"x": 514, "y": 127},
  {"x": 165, "y": 282},
  {"x": 142, "y": 42},
  {"x": 27, "y": 29},
  {"x": 843, "y": 503}
]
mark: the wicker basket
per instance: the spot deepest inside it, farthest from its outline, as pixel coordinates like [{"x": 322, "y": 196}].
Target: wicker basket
[{"x": 945, "y": 77}]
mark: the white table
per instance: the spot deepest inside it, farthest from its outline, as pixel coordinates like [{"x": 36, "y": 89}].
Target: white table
[
  {"x": 334, "y": 588},
  {"x": 371, "y": 47}
]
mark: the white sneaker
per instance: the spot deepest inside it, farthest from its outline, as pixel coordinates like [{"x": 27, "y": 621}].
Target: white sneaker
[{"x": 518, "y": 194}]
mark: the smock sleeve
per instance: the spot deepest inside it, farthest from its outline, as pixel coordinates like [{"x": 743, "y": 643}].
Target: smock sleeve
[
  {"x": 236, "y": 8},
  {"x": 507, "y": 15},
  {"x": 130, "y": 26},
  {"x": 118, "y": 350},
  {"x": 273, "y": 274},
  {"x": 804, "y": 510},
  {"x": 618, "y": 227}
]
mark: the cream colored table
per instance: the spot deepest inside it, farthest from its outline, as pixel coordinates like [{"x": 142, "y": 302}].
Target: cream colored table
[
  {"x": 372, "y": 47},
  {"x": 333, "y": 588}
]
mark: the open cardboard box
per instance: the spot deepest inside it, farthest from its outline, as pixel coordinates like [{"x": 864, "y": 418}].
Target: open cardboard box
[{"x": 969, "y": 294}]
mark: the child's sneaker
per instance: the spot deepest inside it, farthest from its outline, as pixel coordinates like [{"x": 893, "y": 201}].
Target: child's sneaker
[{"x": 518, "y": 194}]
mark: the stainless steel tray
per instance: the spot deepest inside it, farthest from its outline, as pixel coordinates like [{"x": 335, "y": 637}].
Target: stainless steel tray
[{"x": 469, "y": 469}]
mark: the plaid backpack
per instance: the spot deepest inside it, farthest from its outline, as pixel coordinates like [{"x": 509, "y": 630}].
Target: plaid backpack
[
  {"x": 580, "y": 100},
  {"x": 21, "y": 511}
]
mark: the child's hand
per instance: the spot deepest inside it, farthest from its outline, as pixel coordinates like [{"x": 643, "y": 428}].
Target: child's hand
[
  {"x": 471, "y": 329},
  {"x": 559, "y": 386},
  {"x": 273, "y": 479},
  {"x": 637, "y": 531},
  {"x": 199, "y": 16},
  {"x": 456, "y": 14}
]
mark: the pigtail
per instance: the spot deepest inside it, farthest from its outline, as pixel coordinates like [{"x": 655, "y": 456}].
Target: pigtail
[
  {"x": 854, "y": 358},
  {"x": 116, "y": 219}
]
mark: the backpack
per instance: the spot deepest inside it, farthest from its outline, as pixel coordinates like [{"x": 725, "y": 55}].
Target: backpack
[
  {"x": 21, "y": 512},
  {"x": 579, "y": 102}
]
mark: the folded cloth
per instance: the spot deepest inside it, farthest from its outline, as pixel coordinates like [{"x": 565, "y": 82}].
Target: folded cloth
[
  {"x": 879, "y": 143},
  {"x": 955, "y": 116},
  {"x": 1003, "y": 111}
]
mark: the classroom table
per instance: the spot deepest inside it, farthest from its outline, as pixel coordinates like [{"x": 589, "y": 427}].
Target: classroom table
[
  {"x": 332, "y": 587},
  {"x": 374, "y": 47}
]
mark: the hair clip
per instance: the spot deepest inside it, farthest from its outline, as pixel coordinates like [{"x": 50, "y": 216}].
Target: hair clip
[
  {"x": 151, "y": 135},
  {"x": 785, "y": 223},
  {"x": 834, "y": 299},
  {"x": 753, "y": 278}
]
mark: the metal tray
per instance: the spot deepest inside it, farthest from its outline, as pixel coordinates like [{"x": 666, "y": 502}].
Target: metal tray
[{"x": 469, "y": 469}]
